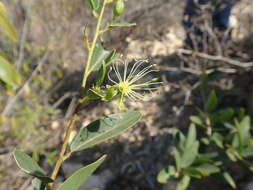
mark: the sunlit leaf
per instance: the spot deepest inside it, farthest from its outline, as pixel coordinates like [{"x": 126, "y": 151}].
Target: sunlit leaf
[
  {"x": 197, "y": 120},
  {"x": 189, "y": 154},
  {"x": 5, "y": 24},
  {"x": 100, "y": 56},
  {"x": 207, "y": 169},
  {"x": 244, "y": 130},
  {"x": 183, "y": 184},
  {"x": 218, "y": 139},
  {"x": 30, "y": 166},
  {"x": 94, "y": 4},
  {"x": 177, "y": 158},
  {"x": 75, "y": 181},
  {"x": 102, "y": 129},
  {"x": 8, "y": 73},
  {"x": 229, "y": 180},
  {"x": 166, "y": 174},
  {"x": 191, "y": 136},
  {"x": 193, "y": 172}
]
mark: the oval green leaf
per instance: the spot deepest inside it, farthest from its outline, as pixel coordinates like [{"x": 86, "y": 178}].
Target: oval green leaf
[
  {"x": 30, "y": 166},
  {"x": 184, "y": 183},
  {"x": 166, "y": 174},
  {"x": 5, "y": 25},
  {"x": 101, "y": 75},
  {"x": 207, "y": 169},
  {"x": 103, "y": 129},
  {"x": 8, "y": 73},
  {"x": 229, "y": 179},
  {"x": 212, "y": 102},
  {"x": 80, "y": 176},
  {"x": 94, "y": 4}
]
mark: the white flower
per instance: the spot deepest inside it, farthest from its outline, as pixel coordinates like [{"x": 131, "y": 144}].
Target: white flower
[{"x": 130, "y": 82}]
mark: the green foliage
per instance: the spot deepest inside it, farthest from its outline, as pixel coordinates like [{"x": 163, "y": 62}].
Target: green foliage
[
  {"x": 30, "y": 166},
  {"x": 8, "y": 73},
  {"x": 183, "y": 184},
  {"x": 80, "y": 176},
  {"x": 212, "y": 102},
  {"x": 97, "y": 131},
  {"x": 229, "y": 179},
  {"x": 101, "y": 56},
  {"x": 227, "y": 138},
  {"x": 103, "y": 129},
  {"x": 94, "y": 4},
  {"x": 5, "y": 24}
]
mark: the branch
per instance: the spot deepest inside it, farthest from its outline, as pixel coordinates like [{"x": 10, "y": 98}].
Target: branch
[{"x": 216, "y": 58}]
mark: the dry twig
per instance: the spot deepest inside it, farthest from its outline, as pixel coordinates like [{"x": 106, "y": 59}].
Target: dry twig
[{"x": 216, "y": 58}]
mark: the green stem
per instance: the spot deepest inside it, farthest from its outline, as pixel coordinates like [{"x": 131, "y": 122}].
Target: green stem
[
  {"x": 90, "y": 53},
  {"x": 71, "y": 124},
  {"x": 62, "y": 156}
]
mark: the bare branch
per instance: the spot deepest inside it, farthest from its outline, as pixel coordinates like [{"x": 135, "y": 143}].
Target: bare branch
[{"x": 216, "y": 58}]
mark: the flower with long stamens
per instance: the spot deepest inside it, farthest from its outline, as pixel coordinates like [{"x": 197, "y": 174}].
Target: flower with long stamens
[{"x": 130, "y": 83}]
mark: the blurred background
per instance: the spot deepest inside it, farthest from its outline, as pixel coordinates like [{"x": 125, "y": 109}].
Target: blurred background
[{"x": 198, "y": 45}]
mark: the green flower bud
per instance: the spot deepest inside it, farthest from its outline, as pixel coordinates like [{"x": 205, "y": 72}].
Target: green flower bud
[{"x": 118, "y": 8}]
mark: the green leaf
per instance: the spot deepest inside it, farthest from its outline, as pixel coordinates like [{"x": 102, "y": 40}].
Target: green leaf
[
  {"x": 222, "y": 115},
  {"x": 190, "y": 149},
  {"x": 247, "y": 151},
  {"x": 207, "y": 169},
  {"x": 189, "y": 154},
  {"x": 100, "y": 56},
  {"x": 229, "y": 179},
  {"x": 218, "y": 139},
  {"x": 30, "y": 166},
  {"x": 212, "y": 102},
  {"x": 177, "y": 158},
  {"x": 231, "y": 153},
  {"x": 101, "y": 75},
  {"x": 166, "y": 174},
  {"x": 121, "y": 24},
  {"x": 5, "y": 25},
  {"x": 38, "y": 184},
  {"x": 8, "y": 73},
  {"x": 103, "y": 129},
  {"x": 244, "y": 130},
  {"x": 181, "y": 139},
  {"x": 205, "y": 140},
  {"x": 191, "y": 136},
  {"x": 193, "y": 172},
  {"x": 94, "y": 4},
  {"x": 205, "y": 158},
  {"x": 110, "y": 93},
  {"x": 183, "y": 184},
  {"x": 197, "y": 120},
  {"x": 111, "y": 56},
  {"x": 75, "y": 181},
  {"x": 95, "y": 93}
]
